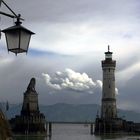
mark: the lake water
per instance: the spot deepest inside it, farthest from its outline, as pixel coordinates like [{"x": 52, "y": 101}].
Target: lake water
[{"x": 76, "y": 132}]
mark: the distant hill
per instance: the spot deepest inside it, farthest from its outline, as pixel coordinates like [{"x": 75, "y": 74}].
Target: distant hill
[
  {"x": 70, "y": 113},
  {"x": 63, "y": 112}
]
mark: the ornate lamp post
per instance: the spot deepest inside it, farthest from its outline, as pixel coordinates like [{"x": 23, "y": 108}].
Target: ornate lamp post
[{"x": 17, "y": 36}]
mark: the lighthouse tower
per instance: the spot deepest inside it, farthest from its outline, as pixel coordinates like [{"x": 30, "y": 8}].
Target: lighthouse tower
[
  {"x": 108, "y": 122},
  {"x": 108, "y": 109}
]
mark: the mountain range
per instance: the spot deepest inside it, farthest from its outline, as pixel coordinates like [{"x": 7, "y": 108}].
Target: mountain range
[{"x": 62, "y": 112}]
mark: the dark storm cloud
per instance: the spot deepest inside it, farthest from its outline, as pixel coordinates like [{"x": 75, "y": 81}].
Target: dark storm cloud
[
  {"x": 16, "y": 73},
  {"x": 129, "y": 97},
  {"x": 68, "y": 10},
  {"x": 74, "y": 34},
  {"x": 69, "y": 26}
]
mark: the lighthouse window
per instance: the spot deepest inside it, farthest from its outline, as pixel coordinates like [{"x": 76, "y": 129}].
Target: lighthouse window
[
  {"x": 109, "y": 69},
  {"x": 109, "y": 85}
]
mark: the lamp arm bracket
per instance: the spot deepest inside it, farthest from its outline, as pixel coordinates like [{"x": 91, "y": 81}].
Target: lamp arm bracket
[
  {"x": 9, "y": 15},
  {"x": 5, "y": 14}
]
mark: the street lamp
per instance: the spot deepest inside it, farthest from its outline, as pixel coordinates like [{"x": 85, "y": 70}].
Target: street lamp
[{"x": 17, "y": 36}]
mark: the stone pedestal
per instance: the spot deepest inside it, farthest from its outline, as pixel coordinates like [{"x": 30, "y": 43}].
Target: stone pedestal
[{"x": 30, "y": 120}]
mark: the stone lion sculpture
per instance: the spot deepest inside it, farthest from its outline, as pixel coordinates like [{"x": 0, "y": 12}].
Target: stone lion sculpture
[{"x": 31, "y": 86}]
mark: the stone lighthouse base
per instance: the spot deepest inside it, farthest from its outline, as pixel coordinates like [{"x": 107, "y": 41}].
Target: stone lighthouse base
[{"x": 115, "y": 126}]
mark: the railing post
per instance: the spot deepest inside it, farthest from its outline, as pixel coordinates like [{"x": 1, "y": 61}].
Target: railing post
[
  {"x": 91, "y": 128},
  {"x": 50, "y": 129}
]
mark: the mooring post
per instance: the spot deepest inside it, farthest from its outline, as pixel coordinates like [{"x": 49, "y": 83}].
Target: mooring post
[
  {"x": 91, "y": 128},
  {"x": 50, "y": 129},
  {"x": 46, "y": 128}
]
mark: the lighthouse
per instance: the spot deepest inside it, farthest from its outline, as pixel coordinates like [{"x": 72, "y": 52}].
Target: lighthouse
[
  {"x": 108, "y": 107},
  {"x": 108, "y": 121}
]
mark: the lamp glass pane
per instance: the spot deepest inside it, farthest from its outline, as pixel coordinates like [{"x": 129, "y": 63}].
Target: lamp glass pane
[
  {"x": 24, "y": 40},
  {"x": 108, "y": 56},
  {"x": 12, "y": 39}
]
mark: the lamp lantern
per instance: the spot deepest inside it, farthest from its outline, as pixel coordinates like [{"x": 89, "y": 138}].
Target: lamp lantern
[{"x": 17, "y": 37}]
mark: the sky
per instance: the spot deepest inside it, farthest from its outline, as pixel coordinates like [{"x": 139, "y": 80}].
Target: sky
[{"x": 65, "y": 53}]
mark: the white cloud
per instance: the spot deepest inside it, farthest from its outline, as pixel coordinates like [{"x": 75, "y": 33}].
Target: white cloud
[
  {"x": 116, "y": 91},
  {"x": 71, "y": 80},
  {"x": 99, "y": 83},
  {"x": 48, "y": 82}
]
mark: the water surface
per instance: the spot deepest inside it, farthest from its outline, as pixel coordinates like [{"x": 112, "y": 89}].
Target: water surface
[{"x": 76, "y": 132}]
